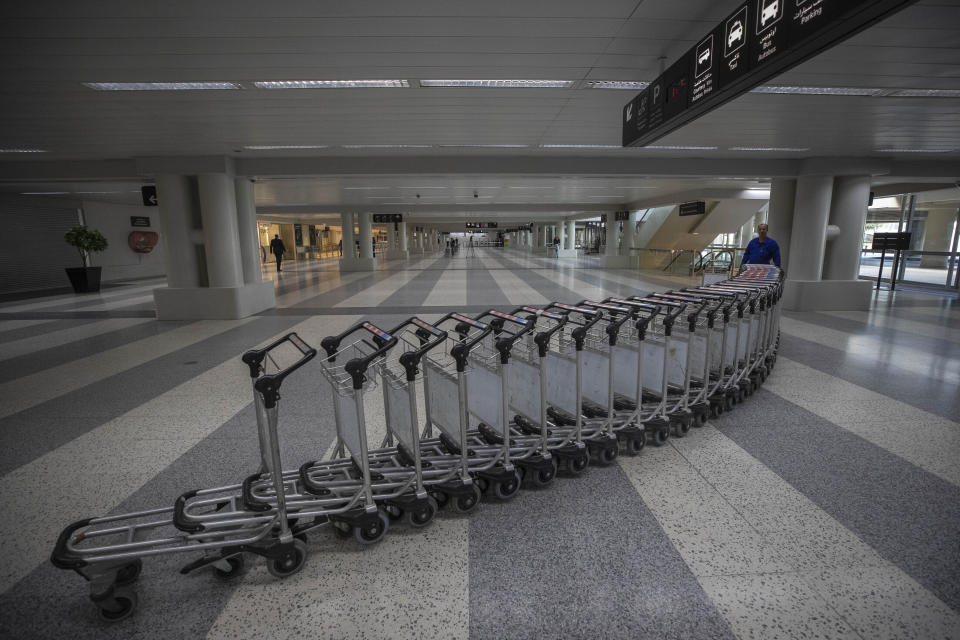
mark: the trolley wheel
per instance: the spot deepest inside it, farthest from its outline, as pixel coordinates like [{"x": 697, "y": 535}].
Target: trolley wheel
[
  {"x": 393, "y": 512},
  {"x": 442, "y": 499},
  {"x": 466, "y": 504},
  {"x": 507, "y": 490},
  {"x": 607, "y": 455},
  {"x": 680, "y": 428},
  {"x": 373, "y": 533},
  {"x": 700, "y": 419},
  {"x": 482, "y": 483},
  {"x": 129, "y": 573},
  {"x": 126, "y": 604},
  {"x": 237, "y": 566},
  {"x": 543, "y": 477},
  {"x": 287, "y": 566},
  {"x": 717, "y": 410},
  {"x": 576, "y": 464},
  {"x": 740, "y": 396},
  {"x": 423, "y": 517},
  {"x": 635, "y": 444},
  {"x": 660, "y": 436}
]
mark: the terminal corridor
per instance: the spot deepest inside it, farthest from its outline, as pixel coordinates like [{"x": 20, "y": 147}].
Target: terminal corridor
[{"x": 826, "y": 506}]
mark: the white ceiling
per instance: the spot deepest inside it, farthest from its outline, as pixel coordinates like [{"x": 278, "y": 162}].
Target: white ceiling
[{"x": 47, "y": 48}]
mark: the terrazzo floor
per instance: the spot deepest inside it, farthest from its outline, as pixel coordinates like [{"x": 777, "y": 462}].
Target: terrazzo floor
[{"x": 825, "y": 506}]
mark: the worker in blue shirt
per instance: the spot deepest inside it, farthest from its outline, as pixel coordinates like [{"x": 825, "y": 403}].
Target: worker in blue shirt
[{"x": 762, "y": 249}]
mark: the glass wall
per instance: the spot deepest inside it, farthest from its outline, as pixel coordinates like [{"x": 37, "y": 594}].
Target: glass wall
[{"x": 932, "y": 260}]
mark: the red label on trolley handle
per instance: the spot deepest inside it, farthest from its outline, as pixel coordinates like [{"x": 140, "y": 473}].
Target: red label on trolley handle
[
  {"x": 507, "y": 316},
  {"x": 541, "y": 312},
  {"x": 570, "y": 307},
  {"x": 633, "y": 303},
  {"x": 377, "y": 332},
  {"x": 427, "y": 326},
  {"x": 604, "y": 305},
  {"x": 470, "y": 321}
]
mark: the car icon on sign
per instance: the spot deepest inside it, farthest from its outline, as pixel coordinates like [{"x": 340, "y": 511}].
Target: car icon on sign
[
  {"x": 769, "y": 12},
  {"x": 704, "y": 56},
  {"x": 736, "y": 33}
]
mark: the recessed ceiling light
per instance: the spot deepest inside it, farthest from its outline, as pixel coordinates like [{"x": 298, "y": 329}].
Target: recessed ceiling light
[
  {"x": 818, "y": 91},
  {"x": 160, "y": 86},
  {"x": 23, "y": 150},
  {"x": 500, "y": 84},
  {"x": 44, "y": 193},
  {"x": 915, "y": 150},
  {"x": 385, "y": 146},
  {"x": 330, "y": 84},
  {"x": 263, "y": 147},
  {"x": 769, "y": 149},
  {"x": 676, "y": 147},
  {"x": 925, "y": 93},
  {"x": 616, "y": 84},
  {"x": 581, "y": 146}
]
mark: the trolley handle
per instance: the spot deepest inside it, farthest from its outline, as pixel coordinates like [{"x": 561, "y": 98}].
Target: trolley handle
[
  {"x": 357, "y": 367},
  {"x": 254, "y": 358},
  {"x": 505, "y": 340},
  {"x": 410, "y": 360},
  {"x": 460, "y": 351},
  {"x": 269, "y": 385},
  {"x": 618, "y": 316},
  {"x": 579, "y": 334},
  {"x": 673, "y": 311},
  {"x": 642, "y": 321},
  {"x": 693, "y": 315},
  {"x": 542, "y": 339}
]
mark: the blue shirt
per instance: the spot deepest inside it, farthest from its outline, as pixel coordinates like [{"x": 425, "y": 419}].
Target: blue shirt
[{"x": 762, "y": 252}]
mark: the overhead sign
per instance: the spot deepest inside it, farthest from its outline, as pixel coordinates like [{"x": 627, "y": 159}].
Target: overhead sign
[
  {"x": 139, "y": 221},
  {"x": 481, "y": 225},
  {"x": 758, "y": 41},
  {"x": 694, "y": 208},
  {"x": 621, "y": 215},
  {"x": 381, "y": 218},
  {"x": 149, "y": 194}
]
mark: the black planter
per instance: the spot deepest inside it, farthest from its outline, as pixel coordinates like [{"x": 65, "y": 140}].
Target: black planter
[{"x": 84, "y": 279}]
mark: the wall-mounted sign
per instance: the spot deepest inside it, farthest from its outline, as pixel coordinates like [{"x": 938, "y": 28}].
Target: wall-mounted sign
[
  {"x": 757, "y": 42},
  {"x": 481, "y": 225},
  {"x": 383, "y": 218},
  {"x": 149, "y": 194},
  {"x": 139, "y": 221},
  {"x": 621, "y": 215},
  {"x": 693, "y": 208}
]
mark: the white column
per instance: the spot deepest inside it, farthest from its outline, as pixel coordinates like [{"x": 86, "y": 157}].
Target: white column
[
  {"x": 403, "y": 237},
  {"x": 346, "y": 234},
  {"x": 561, "y": 233},
  {"x": 811, "y": 211},
  {"x": 613, "y": 234},
  {"x": 247, "y": 229},
  {"x": 783, "y": 193},
  {"x": 365, "y": 229},
  {"x": 218, "y": 209},
  {"x": 629, "y": 234},
  {"x": 848, "y": 211},
  {"x": 391, "y": 237},
  {"x": 177, "y": 230},
  {"x": 571, "y": 235}
]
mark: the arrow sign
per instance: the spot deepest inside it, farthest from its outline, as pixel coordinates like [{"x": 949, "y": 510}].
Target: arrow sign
[{"x": 149, "y": 193}]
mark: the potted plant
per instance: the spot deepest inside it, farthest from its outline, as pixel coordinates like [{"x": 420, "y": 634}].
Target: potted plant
[{"x": 85, "y": 279}]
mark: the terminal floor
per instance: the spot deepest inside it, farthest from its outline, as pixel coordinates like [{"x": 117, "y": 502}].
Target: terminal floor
[{"x": 825, "y": 506}]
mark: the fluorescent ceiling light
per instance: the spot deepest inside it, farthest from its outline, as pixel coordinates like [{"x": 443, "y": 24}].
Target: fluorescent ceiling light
[
  {"x": 617, "y": 84},
  {"x": 675, "y": 147},
  {"x": 330, "y": 84},
  {"x": 915, "y": 150},
  {"x": 406, "y": 203},
  {"x": 484, "y": 146},
  {"x": 44, "y": 193},
  {"x": 364, "y": 188},
  {"x": 581, "y": 146},
  {"x": 925, "y": 93},
  {"x": 385, "y": 146},
  {"x": 769, "y": 149},
  {"x": 263, "y": 147},
  {"x": 500, "y": 84},
  {"x": 511, "y": 187},
  {"x": 419, "y": 188},
  {"x": 818, "y": 91},
  {"x": 23, "y": 150},
  {"x": 160, "y": 86}
]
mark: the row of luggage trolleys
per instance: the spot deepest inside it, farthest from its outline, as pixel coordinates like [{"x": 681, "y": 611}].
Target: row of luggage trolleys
[{"x": 509, "y": 399}]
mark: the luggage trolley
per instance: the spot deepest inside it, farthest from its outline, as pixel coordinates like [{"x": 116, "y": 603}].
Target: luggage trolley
[
  {"x": 600, "y": 387},
  {"x": 584, "y": 349},
  {"x": 752, "y": 354},
  {"x": 108, "y": 551}
]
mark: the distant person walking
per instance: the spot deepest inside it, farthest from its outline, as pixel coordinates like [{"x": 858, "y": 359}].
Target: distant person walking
[
  {"x": 277, "y": 249},
  {"x": 762, "y": 250},
  {"x": 340, "y": 247}
]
